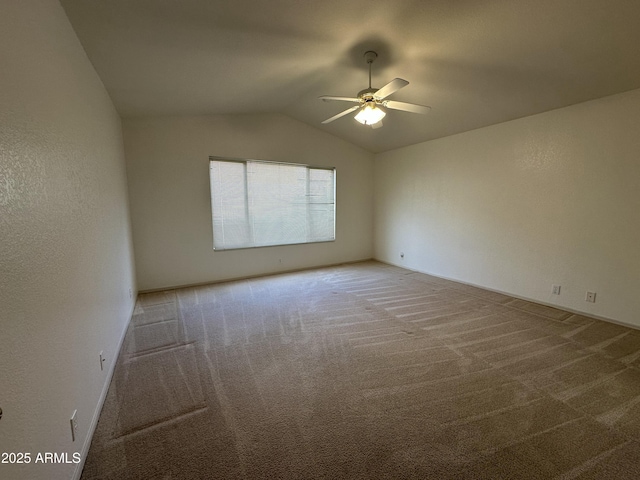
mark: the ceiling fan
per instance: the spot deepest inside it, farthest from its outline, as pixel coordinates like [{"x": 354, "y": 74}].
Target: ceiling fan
[{"x": 372, "y": 101}]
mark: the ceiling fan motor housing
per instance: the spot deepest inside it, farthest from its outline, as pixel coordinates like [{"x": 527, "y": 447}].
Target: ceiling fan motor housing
[{"x": 367, "y": 95}]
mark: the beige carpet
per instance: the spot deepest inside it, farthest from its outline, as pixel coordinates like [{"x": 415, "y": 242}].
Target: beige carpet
[{"x": 367, "y": 371}]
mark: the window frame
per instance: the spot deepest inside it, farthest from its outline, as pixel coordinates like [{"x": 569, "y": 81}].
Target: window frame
[{"x": 272, "y": 162}]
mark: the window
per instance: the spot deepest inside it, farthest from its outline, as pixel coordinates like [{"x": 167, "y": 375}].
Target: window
[{"x": 258, "y": 203}]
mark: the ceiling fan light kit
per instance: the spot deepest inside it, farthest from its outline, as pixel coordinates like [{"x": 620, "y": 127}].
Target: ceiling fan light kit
[
  {"x": 371, "y": 100},
  {"x": 370, "y": 115}
]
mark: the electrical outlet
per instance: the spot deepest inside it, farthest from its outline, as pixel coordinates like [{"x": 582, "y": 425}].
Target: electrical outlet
[
  {"x": 130, "y": 293},
  {"x": 74, "y": 425},
  {"x": 102, "y": 360},
  {"x": 555, "y": 289},
  {"x": 591, "y": 297}
]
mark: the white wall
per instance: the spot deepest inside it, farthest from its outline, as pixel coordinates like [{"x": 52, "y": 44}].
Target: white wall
[
  {"x": 66, "y": 263},
  {"x": 168, "y": 171},
  {"x": 516, "y": 207}
]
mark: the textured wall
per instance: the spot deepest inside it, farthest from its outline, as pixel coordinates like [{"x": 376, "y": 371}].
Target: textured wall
[
  {"x": 168, "y": 171},
  {"x": 65, "y": 249},
  {"x": 548, "y": 199}
]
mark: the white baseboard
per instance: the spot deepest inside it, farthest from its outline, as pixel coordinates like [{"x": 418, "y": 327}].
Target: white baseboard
[
  {"x": 103, "y": 396},
  {"x": 249, "y": 277},
  {"x": 520, "y": 297}
]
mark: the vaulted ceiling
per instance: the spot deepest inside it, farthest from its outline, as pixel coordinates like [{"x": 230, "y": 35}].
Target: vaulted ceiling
[{"x": 475, "y": 62}]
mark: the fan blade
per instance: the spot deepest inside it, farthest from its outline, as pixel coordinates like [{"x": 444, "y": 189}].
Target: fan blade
[
  {"x": 342, "y": 114},
  {"x": 407, "y": 107},
  {"x": 377, "y": 125},
  {"x": 391, "y": 87},
  {"x": 329, "y": 98}
]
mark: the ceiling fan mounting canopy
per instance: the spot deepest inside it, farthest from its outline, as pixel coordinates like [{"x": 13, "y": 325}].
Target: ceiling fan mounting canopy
[
  {"x": 370, "y": 56},
  {"x": 371, "y": 99}
]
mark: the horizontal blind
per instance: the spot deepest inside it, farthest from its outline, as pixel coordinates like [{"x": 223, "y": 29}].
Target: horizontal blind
[{"x": 257, "y": 204}]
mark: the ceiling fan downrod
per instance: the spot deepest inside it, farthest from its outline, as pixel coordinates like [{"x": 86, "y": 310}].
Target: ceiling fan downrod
[{"x": 370, "y": 56}]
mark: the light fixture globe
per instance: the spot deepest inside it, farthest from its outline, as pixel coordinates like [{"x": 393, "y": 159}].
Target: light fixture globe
[{"x": 370, "y": 114}]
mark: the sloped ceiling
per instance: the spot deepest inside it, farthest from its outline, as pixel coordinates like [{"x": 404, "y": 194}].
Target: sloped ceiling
[{"x": 475, "y": 62}]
